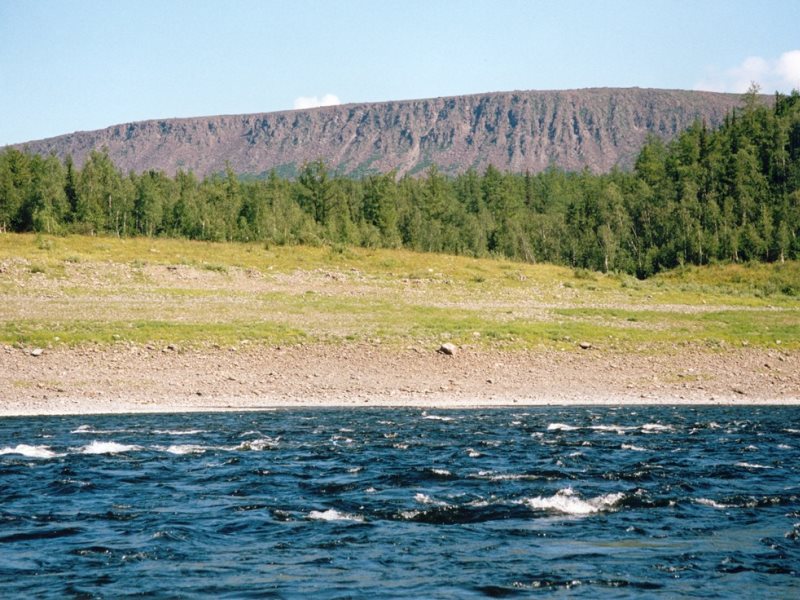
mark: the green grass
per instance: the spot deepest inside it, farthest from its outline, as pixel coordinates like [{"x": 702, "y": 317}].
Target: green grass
[
  {"x": 81, "y": 289},
  {"x": 77, "y": 332}
]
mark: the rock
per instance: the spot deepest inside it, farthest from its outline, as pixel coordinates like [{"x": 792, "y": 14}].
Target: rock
[
  {"x": 585, "y": 345},
  {"x": 581, "y": 133},
  {"x": 36, "y": 352},
  {"x": 448, "y": 349}
]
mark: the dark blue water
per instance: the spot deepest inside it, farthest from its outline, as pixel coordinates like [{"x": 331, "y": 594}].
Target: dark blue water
[{"x": 585, "y": 502}]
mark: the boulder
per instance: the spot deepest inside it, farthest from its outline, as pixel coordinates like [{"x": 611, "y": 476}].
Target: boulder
[{"x": 448, "y": 349}]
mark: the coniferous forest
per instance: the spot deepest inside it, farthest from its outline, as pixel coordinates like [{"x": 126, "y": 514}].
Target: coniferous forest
[{"x": 731, "y": 194}]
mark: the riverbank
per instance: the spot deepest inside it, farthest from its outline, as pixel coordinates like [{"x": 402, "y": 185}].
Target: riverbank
[
  {"x": 126, "y": 378},
  {"x": 126, "y": 325}
]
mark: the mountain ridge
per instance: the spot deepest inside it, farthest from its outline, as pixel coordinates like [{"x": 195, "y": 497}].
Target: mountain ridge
[{"x": 593, "y": 128}]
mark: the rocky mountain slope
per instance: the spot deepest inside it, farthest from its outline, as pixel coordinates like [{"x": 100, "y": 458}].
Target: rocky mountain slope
[{"x": 517, "y": 131}]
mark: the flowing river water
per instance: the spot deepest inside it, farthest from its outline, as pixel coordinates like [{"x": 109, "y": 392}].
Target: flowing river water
[{"x": 587, "y": 502}]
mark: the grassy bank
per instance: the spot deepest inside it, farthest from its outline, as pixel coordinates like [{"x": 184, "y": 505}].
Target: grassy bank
[{"x": 78, "y": 290}]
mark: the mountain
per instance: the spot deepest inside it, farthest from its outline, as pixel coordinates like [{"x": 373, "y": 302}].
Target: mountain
[{"x": 515, "y": 131}]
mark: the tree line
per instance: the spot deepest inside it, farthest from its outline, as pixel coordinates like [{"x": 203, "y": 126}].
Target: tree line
[{"x": 730, "y": 194}]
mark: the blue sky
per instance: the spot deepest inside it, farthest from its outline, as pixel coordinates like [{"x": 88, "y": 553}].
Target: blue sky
[{"x": 72, "y": 65}]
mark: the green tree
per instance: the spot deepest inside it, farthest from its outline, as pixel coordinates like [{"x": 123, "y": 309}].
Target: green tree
[
  {"x": 15, "y": 184},
  {"x": 47, "y": 205},
  {"x": 314, "y": 191},
  {"x": 101, "y": 206}
]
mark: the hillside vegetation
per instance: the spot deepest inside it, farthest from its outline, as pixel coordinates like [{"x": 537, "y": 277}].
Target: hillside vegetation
[{"x": 731, "y": 194}]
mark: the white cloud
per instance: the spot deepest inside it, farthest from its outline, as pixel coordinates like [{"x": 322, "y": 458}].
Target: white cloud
[
  {"x": 789, "y": 68},
  {"x": 315, "y": 101},
  {"x": 781, "y": 74}
]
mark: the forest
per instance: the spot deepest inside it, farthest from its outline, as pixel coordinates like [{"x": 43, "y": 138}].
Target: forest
[{"x": 730, "y": 194}]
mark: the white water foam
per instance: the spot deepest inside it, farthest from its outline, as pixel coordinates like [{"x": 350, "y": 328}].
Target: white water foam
[
  {"x": 257, "y": 445},
  {"x": 90, "y": 429},
  {"x": 179, "y": 431},
  {"x": 425, "y": 499},
  {"x": 436, "y": 417},
  {"x": 567, "y": 501},
  {"x": 108, "y": 448},
  {"x": 747, "y": 465},
  {"x": 634, "y": 448},
  {"x": 711, "y": 503},
  {"x": 618, "y": 429},
  {"x": 30, "y": 451},
  {"x": 492, "y": 476},
  {"x": 410, "y": 514},
  {"x": 561, "y": 427},
  {"x": 472, "y": 453},
  {"x": 333, "y": 515},
  {"x": 184, "y": 449},
  {"x": 442, "y": 472},
  {"x": 656, "y": 428}
]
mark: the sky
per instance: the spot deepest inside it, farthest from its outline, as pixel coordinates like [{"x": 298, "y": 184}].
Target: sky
[{"x": 70, "y": 65}]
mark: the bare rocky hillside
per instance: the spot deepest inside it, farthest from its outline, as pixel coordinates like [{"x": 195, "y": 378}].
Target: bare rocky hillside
[{"x": 517, "y": 131}]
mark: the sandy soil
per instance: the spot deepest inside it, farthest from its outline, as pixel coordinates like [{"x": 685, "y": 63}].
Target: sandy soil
[{"x": 125, "y": 378}]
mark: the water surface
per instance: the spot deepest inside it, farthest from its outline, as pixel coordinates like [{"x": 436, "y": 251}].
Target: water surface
[{"x": 584, "y": 502}]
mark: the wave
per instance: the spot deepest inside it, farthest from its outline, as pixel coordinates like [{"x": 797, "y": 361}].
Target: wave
[
  {"x": 712, "y": 503},
  {"x": 436, "y": 417},
  {"x": 108, "y": 448},
  {"x": 30, "y": 451},
  {"x": 184, "y": 449},
  {"x": 618, "y": 429},
  {"x": 561, "y": 427},
  {"x": 425, "y": 499},
  {"x": 747, "y": 465},
  {"x": 334, "y": 515},
  {"x": 656, "y": 428},
  {"x": 634, "y": 448},
  {"x": 258, "y": 445},
  {"x": 92, "y": 430},
  {"x": 567, "y": 501},
  {"x": 491, "y": 476},
  {"x": 179, "y": 431}
]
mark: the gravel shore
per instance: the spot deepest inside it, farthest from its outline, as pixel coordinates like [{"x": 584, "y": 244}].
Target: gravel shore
[{"x": 127, "y": 378}]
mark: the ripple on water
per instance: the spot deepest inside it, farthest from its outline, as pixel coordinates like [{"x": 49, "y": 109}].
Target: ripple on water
[{"x": 388, "y": 502}]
